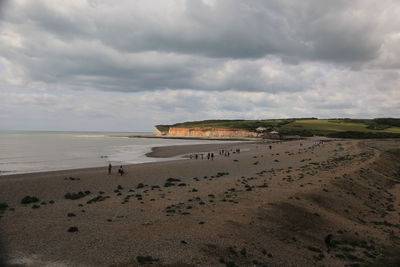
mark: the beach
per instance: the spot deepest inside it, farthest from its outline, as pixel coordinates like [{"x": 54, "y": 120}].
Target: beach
[{"x": 260, "y": 207}]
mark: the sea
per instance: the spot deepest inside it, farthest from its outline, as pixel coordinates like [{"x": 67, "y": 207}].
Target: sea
[{"x": 38, "y": 151}]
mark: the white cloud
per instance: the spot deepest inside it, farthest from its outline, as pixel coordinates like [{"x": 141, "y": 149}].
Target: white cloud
[{"x": 129, "y": 65}]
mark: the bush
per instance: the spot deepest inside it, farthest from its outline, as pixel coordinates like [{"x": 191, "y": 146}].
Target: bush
[
  {"x": 73, "y": 229},
  {"x": 74, "y": 196},
  {"x": 363, "y": 135},
  {"x": 3, "y": 206},
  {"x": 29, "y": 199},
  {"x": 96, "y": 199},
  {"x": 392, "y": 122},
  {"x": 146, "y": 259}
]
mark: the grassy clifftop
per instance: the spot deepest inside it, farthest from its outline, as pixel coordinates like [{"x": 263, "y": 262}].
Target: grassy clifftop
[{"x": 353, "y": 128}]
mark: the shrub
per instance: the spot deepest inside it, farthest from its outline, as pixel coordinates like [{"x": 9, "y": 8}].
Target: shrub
[
  {"x": 173, "y": 180},
  {"x": 363, "y": 135},
  {"x": 29, "y": 199},
  {"x": 140, "y": 185},
  {"x": 3, "y": 206},
  {"x": 96, "y": 199},
  {"x": 74, "y": 196},
  {"x": 73, "y": 229},
  {"x": 146, "y": 259}
]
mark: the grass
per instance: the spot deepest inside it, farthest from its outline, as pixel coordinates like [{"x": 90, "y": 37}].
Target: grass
[{"x": 324, "y": 127}]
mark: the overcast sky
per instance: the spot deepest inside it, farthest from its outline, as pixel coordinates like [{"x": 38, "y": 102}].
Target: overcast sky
[{"x": 128, "y": 65}]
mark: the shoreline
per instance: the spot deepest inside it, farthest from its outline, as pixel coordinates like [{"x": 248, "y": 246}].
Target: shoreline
[{"x": 167, "y": 153}]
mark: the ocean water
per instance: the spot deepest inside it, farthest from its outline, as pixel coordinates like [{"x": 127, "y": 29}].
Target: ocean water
[{"x": 26, "y": 152}]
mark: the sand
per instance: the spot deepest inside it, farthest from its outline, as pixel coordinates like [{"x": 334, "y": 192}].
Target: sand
[{"x": 260, "y": 207}]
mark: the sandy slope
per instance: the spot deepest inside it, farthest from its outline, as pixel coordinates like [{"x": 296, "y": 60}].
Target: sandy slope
[{"x": 260, "y": 207}]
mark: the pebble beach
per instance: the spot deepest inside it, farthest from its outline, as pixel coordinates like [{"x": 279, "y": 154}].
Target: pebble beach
[{"x": 259, "y": 207}]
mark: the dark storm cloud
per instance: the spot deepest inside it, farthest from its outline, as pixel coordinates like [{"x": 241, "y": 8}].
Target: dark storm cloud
[
  {"x": 327, "y": 30},
  {"x": 150, "y": 45}
]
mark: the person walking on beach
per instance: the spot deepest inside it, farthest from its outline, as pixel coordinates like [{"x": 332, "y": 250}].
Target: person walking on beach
[
  {"x": 121, "y": 170},
  {"x": 109, "y": 168},
  {"x": 212, "y": 156},
  {"x": 328, "y": 242}
]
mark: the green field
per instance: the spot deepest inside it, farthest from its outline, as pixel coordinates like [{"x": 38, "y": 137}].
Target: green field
[{"x": 355, "y": 128}]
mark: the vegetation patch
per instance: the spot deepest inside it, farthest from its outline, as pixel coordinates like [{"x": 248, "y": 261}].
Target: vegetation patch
[
  {"x": 171, "y": 182},
  {"x": 74, "y": 196},
  {"x": 146, "y": 259},
  {"x": 3, "y": 206},
  {"x": 73, "y": 229},
  {"x": 29, "y": 199}
]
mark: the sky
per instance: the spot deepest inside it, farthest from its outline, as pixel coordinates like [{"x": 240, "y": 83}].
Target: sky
[{"x": 103, "y": 65}]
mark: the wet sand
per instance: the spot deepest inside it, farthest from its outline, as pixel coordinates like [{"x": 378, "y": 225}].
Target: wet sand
[{"x": 255, "y": 208}]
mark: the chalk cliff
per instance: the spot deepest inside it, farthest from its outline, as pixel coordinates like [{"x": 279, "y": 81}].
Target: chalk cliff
[{"x": 206, "y": 132}]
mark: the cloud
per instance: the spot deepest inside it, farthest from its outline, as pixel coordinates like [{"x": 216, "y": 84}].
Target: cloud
[{"x": 221, "y": 58}]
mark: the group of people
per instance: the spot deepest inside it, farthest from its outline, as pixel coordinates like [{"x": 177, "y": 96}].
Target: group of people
[
  {"x": 318, "y": 143},
  {"x": 210, "y": 155},
  {"x": 227, "y": 153},
  {"x": 120, "y": 170},
  {"x": 201, "y": 156}
]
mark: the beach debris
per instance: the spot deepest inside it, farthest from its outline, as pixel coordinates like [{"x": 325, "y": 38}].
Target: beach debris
[
  {"x": 29, "y": 199},
  {"x": 70, "y": 214}
]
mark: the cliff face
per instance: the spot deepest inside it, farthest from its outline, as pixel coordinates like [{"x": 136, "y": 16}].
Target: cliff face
[
  {"x": 157, "y": 132},
  {"x": 209, "y": 132}
]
